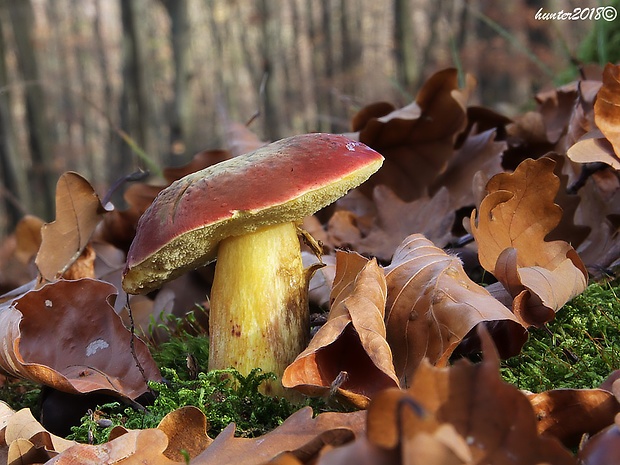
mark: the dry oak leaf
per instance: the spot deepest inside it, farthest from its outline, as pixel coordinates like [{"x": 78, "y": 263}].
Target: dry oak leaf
[
  {"x": 568, "y": 414},
  {"x": 474, "y": 417},
  {"x": 418, "y": 140},
  {"x": 431, "y": 216},
  {"x": 432, "y": 305},
  {"x": 349, "y": 355},
  {"x": 91, "y": 346},
  {"x": 607, "y": 107},
  {"x": 78, "y": 212},
  {"x": 514, "y": 219},
  {"x": 300, "y": 434}
]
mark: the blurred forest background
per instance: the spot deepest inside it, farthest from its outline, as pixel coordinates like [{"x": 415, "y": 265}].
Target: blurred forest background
[{"x": 81, "y": 78}]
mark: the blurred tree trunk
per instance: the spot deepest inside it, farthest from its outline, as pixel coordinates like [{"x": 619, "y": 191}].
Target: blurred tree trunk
[
  {"x": 135, "y": 108},
  {"x": 269, "y": 44},
  {"x": 351, "y": 59},
  {"x": 41, "y": 176},
  {"x": 317, "y": 68},
  {"x": 404, "y": 44},
  {"x": 181, "y": 108},
  {"x": 111, "y": 140},
  {"x": 15, "y": 192}
]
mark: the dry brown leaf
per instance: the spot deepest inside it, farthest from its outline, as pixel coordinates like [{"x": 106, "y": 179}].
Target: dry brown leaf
[
  {"x": 119, "y": 226},
  {"x": 490, "y": 421},
  {"x": 136, "y": 447},
  {"x": 22, "y": 425},
  {"x": 479, "y": 152},
  {"x": 91, "y": 349},
  {"x": 78, "y": 212},
  {"x": 349, "y": 356},
  {"x": 592, "y": 147},
  {"x": 432, "y": 305},
  {"x": 607, "y": 107},
  {"x": 28, "y": 234},
  {"x": 568, "y": 414},
  {"x": 418, "y": 140},
  {"x": 515, "y": 217},
  {"x": 431, "y": 216},
  {"x": 603, "y": 447},
  {"x": 186, "y": 428},
  {"x": 300, "y": 434}
]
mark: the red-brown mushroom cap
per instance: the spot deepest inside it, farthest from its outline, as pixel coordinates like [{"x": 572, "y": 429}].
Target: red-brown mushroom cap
[{"x": 280, "y": 182}]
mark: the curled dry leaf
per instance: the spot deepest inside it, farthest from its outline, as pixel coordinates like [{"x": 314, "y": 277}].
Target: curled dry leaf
[
  {"x": 186, "y": 428},
  {"x": 349, "y": 355},
  {"x": 25, "y": 437},
  {"x": 467, "y": 414},
  {"x": 134, "y": 447},
  {"x": 515, "y": 217},
  {"x": 568, "y": 414},
  {"x": 91, "y": 347},
  {"x": 418, "y": 140},
  {"x": 432, "y": 305},
  {"x": 78, "y": 212},
  {"x": 28, "y": 234},
  {"x": 594, "y": 147},
  {"x": 300, "y": 434},
  {"x": 607, "y": 107}
]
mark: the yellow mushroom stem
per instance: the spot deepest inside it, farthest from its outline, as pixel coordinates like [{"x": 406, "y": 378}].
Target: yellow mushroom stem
[{"x": 259, "y": 306}]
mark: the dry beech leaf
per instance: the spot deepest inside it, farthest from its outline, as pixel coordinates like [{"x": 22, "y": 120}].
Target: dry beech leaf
[
  {"x": 479, "y": 152},
  {"x": 91, "y": 349},
  {"x": 470, "y": 412},
  {"x": 607, "y": 108},
  {"x": 568, "y": 414},
  {"x": 431, "y": 216},
  {"x": 28, "y": 234},
  {"x": 349, "y": 355},
  {"x": 22, "y": 426},
  {"x": 78, "y": 212},
  {"x": 603, "y": 447},
  {"x": 514, "y": 219},
  {"x": 432, "y": 305},
  {"x": 132, "y": 448},
  {"x": 593, "y": 147},
  {"x": 418, "y": 140},
  {"x": 25, "y": 452},
  {"x": 186, "y": 428},
  {"x": 300, "y": 434}
]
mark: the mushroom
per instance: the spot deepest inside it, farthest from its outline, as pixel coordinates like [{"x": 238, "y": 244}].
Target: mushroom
[{"x": 246, "y": 210}]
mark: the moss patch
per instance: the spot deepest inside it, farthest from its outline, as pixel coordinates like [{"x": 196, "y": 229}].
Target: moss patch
[{"x": 578, "y": 350}]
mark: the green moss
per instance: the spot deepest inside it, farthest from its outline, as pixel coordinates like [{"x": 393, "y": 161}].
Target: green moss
[
  {"x": 19, "y": 394},
  {"x": 579, "y": 349},
  {"x": 224, "y": 396}
]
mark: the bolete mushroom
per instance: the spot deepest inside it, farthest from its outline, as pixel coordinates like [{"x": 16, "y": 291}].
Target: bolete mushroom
[{"x": 245, "y": 210}]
